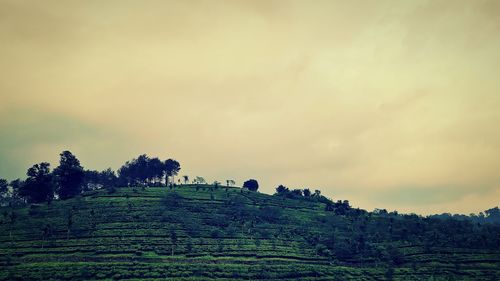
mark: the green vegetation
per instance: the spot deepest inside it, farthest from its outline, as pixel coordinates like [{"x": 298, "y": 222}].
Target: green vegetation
[
  {"x": 213, "y": 232},
  {"x": 141, "y": 224}
]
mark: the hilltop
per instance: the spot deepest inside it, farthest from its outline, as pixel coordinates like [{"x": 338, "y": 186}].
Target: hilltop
[{"x": 206, "y": 232}]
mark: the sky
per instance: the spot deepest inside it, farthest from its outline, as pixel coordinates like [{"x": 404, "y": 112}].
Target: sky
[{"x": 388, "y": 104}]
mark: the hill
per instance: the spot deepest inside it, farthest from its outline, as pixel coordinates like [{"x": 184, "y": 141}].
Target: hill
[{"x": 204, "y": 232}]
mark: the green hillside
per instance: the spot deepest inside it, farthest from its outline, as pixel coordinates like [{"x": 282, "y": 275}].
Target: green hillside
[{"x": 202, "y": 232}]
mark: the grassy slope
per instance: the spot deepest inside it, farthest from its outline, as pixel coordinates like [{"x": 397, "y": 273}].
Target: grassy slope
[{"x": 134, "y": 235}]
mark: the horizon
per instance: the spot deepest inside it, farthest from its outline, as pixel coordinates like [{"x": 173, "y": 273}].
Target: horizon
[
  {"x": 236, "y": 184},
  {"x": 390, "y": 105}
]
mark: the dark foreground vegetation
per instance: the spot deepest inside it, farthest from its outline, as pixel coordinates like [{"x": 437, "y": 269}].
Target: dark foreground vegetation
[{"x": 143, "y": 229}]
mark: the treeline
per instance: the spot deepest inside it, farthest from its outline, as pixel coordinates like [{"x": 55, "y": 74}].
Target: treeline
[
  {"x": 340, "y": 207},
  {"x": 343, "y": 207},
  {"x": 489, "y": 216},
  {"x": 70, "y": 179}
]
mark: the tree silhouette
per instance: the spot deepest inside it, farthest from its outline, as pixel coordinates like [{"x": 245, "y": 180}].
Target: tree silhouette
[
  {"x": 281, "y": 189},
  {"x": 69, "y": 176},
  {"x": 306, "y": 192},
  {"x": 172, "y": 167},
  {"x": 39, "y": 186},
  {"x": 230, "y": 182},
  {"x": 97, "y": 180},
  {"x": 251, "y": 185},
  {"x": 91, "y": 180},
  {"x": 16, "y": 186},
  {"x": 155, "y": 171},
  {"x": 126, "y": 173},
  {"x": 108, "y": 178},
  {"x": 186, "y": 179},
  {"x": 142, "y": 171},
  {"x": 134, "y": 172}
]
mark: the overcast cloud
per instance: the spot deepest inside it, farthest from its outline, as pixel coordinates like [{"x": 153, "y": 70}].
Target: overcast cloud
[{"x": 390, "y": 104}]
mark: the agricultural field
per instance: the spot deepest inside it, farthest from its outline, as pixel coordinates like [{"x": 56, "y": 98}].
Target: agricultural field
[{"x": 204, "y": 232}]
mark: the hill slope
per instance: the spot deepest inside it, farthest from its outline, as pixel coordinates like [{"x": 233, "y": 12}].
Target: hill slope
[{"x": 199, "y": 232}]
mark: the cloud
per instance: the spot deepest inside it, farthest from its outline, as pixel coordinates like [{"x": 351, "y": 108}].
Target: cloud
[
  {"x": 29, "y": 137},
  {"x": 357, "y": 99}
]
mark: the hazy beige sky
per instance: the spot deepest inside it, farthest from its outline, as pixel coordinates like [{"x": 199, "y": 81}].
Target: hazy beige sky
[{"x": 389, "y": 104}]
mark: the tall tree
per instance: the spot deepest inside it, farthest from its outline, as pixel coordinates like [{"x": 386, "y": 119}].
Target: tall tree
[
  {"x": 69, "y": 176},
  {"x": 251, "y": 185},
  {"x": 39, "y": 186},
  {"x": 127, "y": 174},
  {"x": 143, "y": 173},
  {"x": 172, "y": 167},
  {"x": 155, "y": 170}
]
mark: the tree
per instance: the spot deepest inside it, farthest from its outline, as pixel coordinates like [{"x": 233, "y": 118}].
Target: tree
[
  {"x": 251, "y": 185},
  {"x": 186, "y": 179},
  {"x": 155, "y": 170},
  {"x": 108, "y": 178},
  {"x": 4, "y": 189},
  {"x": 96, "y": 180},
  {"x": 91, "y": 180},
  {"x": 142, "y": 171},
  {"x": 493, "y": 215},
  {"x": 16, "y": 186},
  {"x": 306, "y": 192},
  {"x": 281, "y": 190},
  {"x": 39, "y": 186},
  {"x": 199, "y": 180},
  {"x": 171, "y": 168},
  {"x": 69, "y": 176},
  {"x": 230, "y": 182}
]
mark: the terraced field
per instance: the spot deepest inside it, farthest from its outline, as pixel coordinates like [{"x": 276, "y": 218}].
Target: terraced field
[{"x": 201, "y": 232}]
